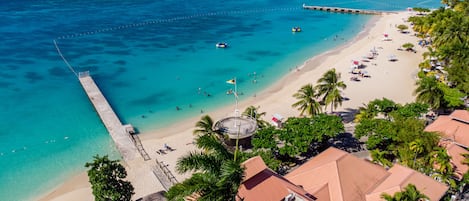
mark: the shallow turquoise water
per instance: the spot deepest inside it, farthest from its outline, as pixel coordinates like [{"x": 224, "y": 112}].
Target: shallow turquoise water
[{"x": 145, "y": 67}]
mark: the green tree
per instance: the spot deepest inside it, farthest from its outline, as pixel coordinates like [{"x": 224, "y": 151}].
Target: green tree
[
  {"x": 107, "y": 180},
  {"x": 410, "y": 193},
  {"x": 265, "y": 138},
  {"x": 296, "y": 136},
  {"x": 267, "y": 156},
  {"x": 452, "y": 97},
  {"x": 449, "y": 33},
  {"x": 411, "y": 110},
  {"x": 417, "y": 147},
  {"x": 408, "y": 46},
  {"x": 421, "y": 10},
  {"x": 375, "y": 107},
  {"x": 428, "y": 92},
  {"x": 381, "y": 157},
  {"x": 299, "y": 133},
  {"x": 329, "y": 87},
  {"x": 217, "y": 175},
  {"x": 204, "y": 126},
  {"x": 402, "y": 27},
  {"x": 254, "y": 113},
  {"x": 400, "y": 137},
  {"x": 307, "y": 101},
  {"x": 444, "y": 170}
]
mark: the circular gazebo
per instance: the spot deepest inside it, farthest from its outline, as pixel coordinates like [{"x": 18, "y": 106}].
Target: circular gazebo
[{"x": 237, "y": 128}]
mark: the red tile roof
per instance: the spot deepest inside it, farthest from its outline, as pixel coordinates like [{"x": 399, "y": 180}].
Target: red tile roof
[
  {"x": 401, "y": 177},
  {"x": 346, "y": 176},
  {"x": 454, "y": 127},
  {"x": 456, "y": 152},
  {"x": 461, "y": 115},
  {"x": 262, "y": 184},
  {"x": 334, "y": 175}
]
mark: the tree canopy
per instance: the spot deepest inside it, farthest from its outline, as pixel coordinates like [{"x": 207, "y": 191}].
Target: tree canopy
[
  {"x": 297, "y": 134},
  {"x": 329, "y": 88},
  {"x": 398, "y": 136},
  {"x": 448, "y": 33},
  {"x": 410, "y": 193},
  {"x": 402, "y": 27},
  {"x": 307, "y": 102},
  {"x": 107, "y": 180},
  {"x": 217, "y": 173}
]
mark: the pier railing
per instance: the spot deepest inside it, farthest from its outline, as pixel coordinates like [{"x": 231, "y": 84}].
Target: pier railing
[
  {"x": 164, "y": 175},
  {"x": 140, "y": 148}
]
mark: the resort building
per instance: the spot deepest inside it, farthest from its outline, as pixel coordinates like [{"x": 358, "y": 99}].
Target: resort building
[
  {"x": 333, "y": 175},
  {"x": 457, "y": 156},
  {"x": 453, "y": 127},
  {"x": 261, "y": 183}
]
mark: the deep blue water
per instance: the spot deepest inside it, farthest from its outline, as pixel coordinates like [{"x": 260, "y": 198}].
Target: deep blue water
[{"x": 147, "y": 57}]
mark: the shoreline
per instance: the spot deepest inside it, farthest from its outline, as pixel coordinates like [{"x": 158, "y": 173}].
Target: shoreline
[
  {"x": 265, "y": 93},
  {"x": 388, "y": 79}
]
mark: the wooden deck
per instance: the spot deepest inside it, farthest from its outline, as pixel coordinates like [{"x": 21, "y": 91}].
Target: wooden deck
[
  {"x": 118, "y": 132},
  {"x": 344, "y": 10}
]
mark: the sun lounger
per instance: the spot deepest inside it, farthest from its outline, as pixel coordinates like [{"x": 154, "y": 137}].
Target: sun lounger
[
  {"x": 162, "y": 151},
  {"x": 354, "y": 79}
]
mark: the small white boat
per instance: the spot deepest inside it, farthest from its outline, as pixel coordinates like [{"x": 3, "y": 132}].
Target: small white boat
[{"x": 221, "y": 45}]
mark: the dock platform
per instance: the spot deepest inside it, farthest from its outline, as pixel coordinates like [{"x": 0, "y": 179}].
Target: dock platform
[
  {"x": 344, "y": 10},
  {"x": 119, "y": 133}
]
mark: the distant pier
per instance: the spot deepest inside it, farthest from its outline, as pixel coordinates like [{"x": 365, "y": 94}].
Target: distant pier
[
  {"x": 344, "y": 10},
  {"x": 125, "y": 141}
]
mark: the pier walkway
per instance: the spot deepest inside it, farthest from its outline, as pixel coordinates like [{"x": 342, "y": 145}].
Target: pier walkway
[
  {"x": 119, "y": 133},
  {"x": 344, "y": 10}
]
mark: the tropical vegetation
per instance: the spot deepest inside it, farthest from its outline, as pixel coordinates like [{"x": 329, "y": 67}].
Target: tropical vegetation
[
  {"x": 410, "y": 193},
  {"x": 217, "y": 172},
  {"x": 329, "y": 88},
  {"x": 395, "y": 134},
  {"x": 307, "y": 102},
  {"x": 254, "y": 113},
  {"x": 402, "y": 27},
  {"x": 298, "y": 135},
  {"x": 447, "y": 33},
  {"x": 107, "y": 180}
]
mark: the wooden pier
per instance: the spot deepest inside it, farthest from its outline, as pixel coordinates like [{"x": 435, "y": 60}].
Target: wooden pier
[
  {"x": 344, "y": 10},
  {"x": 121, "y": 134}
]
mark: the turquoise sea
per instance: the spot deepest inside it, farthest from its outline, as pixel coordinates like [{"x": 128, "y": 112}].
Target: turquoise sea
[{"x": 148, "y": 57}]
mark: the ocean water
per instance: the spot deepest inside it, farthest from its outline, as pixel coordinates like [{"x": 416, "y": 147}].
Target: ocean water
[{"x": 148, "y": 57}]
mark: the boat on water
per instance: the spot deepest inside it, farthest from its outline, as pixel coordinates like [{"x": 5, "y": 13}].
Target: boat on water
[
  {"x": 221, "y": 45},
  {"x": 296, "y": 29}
]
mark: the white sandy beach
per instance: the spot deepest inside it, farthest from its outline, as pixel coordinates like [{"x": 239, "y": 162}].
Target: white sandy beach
[{"x": 392, "y": 80}]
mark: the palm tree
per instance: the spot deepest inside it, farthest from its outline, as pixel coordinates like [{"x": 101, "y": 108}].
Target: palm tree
[
  {"x": 380, "y": 157},
  {"x": 204, "y": 126},
  {"x": 329, "y": 88},
  {"x": 444, "y": 169},
  {"x": 417, "y": 147},
  {"x": 466, "y": 159},
  {"x": 254, "y": 113},
  {"x": 307, "y": 101},
  {"x": 410, "y": 193},
  {"x": 217, "y": 175},
  {"x": 428, "y": 92}
]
